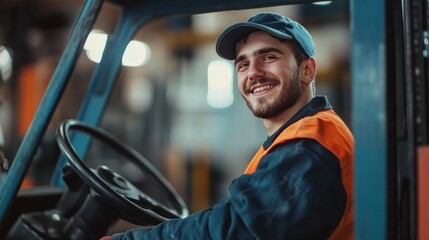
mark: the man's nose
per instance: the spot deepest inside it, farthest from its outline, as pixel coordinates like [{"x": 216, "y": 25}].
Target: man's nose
[{"x": 255, "y": 71}]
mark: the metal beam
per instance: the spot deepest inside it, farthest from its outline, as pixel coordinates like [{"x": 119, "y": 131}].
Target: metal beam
[{"x": 369, "y": 117}]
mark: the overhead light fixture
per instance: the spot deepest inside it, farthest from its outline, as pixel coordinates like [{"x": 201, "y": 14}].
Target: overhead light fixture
[
  {"x": 95, "y": 44},
  {"x": 322, "y": 3},
  {"x": 220, "y": 84},
  {"x": 136, "y": 54},
  {"x": 5, "y": 63}
]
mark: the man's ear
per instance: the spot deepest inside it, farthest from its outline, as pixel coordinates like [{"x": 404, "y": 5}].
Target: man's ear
[{"x": 308, "y": 70}]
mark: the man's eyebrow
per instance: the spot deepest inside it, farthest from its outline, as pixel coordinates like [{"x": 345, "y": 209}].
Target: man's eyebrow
[
  {"x": 267, "y": 50},
  {"x": 258, "y": 52},
  {"x": 239, "y": 59}
]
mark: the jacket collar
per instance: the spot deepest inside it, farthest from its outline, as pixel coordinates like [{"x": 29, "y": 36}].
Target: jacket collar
[{"x": 317, "y": 104}]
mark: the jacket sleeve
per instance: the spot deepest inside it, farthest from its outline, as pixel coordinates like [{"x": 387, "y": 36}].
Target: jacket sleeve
[{"x": 295, "y": 193}]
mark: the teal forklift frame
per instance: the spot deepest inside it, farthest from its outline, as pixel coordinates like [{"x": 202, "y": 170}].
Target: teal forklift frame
[{"x": 369, "y": 84}]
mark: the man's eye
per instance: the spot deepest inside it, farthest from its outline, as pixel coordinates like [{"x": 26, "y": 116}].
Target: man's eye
[
  {"x": 242, "y": 66},
  {"x": 267, "y": 58}
]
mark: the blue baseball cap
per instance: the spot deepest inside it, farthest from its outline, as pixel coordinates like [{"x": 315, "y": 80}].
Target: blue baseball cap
[{"x": 277, "y": 25}]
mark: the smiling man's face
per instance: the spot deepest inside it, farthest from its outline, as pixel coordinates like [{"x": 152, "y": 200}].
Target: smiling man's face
[{"x": 268, "y": 75}]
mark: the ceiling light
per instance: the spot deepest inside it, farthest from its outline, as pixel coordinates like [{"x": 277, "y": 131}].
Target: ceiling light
[
  {"x": 5, "y": 63},
  {"x": 220, "y": 84},
  {"x": 95, "y": 44},
  {"x": 322, "y": 3},
  {"x": 136, "y": 54}
]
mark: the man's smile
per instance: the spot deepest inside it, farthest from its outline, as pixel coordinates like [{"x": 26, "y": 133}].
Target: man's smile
[{"x": 261, "y": 89}]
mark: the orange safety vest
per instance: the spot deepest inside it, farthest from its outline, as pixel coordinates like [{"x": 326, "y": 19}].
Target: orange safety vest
[{"x": 329, "y": 130}]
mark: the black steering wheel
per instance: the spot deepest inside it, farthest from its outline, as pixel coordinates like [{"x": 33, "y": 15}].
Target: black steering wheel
[{"x": 132, "y": 204}]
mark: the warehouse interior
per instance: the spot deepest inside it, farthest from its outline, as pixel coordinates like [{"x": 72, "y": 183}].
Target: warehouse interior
[{"x": 165, "y": 105}]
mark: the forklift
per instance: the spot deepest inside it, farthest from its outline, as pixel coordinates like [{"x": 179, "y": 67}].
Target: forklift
[{"x": 390, "y": 107}]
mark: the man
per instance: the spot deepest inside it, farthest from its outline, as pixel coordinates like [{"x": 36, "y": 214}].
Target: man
[{"x": 299, "y": 183}]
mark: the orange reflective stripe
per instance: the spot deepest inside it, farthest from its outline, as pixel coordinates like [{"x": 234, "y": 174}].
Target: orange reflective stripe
[
  {"x": 251, "y": 168},
  {"x": 329, "y": 130}
]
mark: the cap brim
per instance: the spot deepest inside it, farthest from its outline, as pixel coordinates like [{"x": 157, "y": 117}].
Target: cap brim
[{"x": 227, "y": 41}]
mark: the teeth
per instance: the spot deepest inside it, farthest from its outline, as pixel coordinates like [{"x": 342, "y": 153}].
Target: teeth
[{"x": 259, "y": 89}]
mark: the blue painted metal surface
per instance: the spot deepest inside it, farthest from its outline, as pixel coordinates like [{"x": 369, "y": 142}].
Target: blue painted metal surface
[{"x": 369, "y": 117}]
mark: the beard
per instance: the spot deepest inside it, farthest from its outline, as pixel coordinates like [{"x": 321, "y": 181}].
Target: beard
[{"x": 269, "y": 108}]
